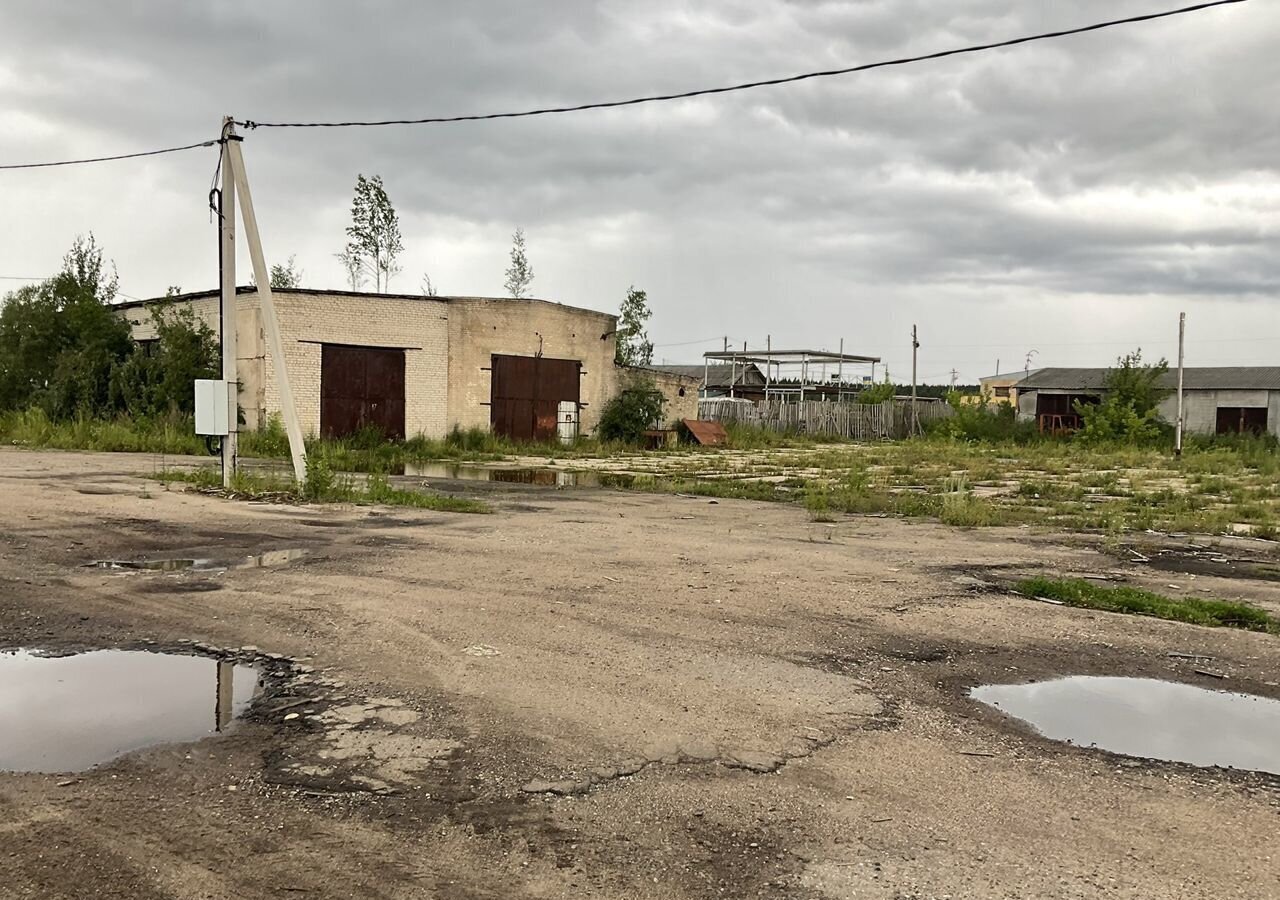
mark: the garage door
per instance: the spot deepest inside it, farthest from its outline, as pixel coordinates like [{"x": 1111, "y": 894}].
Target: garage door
[
  {"x": 361, "y": 387},
  {"x": 526, "y": 393}
]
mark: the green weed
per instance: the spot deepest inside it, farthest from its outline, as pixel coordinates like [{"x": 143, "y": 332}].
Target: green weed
[{"x": 1197, "y": 611}]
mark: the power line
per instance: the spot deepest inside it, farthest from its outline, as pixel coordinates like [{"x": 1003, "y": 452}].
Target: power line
[
  {"x": 750, "y": 85},
  {"x": 709, "y": 340},
  {"x": 98, "y": 159}
]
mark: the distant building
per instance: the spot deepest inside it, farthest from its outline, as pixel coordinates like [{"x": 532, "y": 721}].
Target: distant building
[
  {"x": 1216, "y": 400},
  {"x": 1003, "y": 388},
  {"x": 723, "y": 380}
]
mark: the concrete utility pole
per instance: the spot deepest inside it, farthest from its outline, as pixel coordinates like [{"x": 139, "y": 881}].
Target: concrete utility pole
[
  {"x": 227, "y": 309},
  {"x": 297, "y": 448},
  {"x": 1182, "y": 338},
  {"x": 915, "y": 416}
]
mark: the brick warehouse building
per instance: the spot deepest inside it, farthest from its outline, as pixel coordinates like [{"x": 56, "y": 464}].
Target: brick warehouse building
[{"x": 410, "y": 364}]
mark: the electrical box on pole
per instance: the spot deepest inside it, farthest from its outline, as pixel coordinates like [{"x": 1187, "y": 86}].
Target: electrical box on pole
[{"x": 213, "y": 402}]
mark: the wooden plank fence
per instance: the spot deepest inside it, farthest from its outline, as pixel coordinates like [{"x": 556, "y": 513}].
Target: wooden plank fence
[{"x": 858, "y": 421}]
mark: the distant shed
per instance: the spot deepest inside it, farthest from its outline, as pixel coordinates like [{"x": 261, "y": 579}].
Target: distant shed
[{"x": 1216, "y": 399}]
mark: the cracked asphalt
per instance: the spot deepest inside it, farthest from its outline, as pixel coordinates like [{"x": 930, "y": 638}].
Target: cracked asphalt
[{"x": 602, "y": 694}]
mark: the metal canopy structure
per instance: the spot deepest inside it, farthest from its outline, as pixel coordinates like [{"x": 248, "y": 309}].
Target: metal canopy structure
[{"x": 792, "y": 372}]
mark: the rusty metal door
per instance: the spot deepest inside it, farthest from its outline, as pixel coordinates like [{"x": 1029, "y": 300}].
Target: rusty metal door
[
  {"x": 526, "y": 393},
  {"x": 361, "y": 387}
]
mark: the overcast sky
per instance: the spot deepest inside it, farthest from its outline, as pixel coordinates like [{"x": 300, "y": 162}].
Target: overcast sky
[{"x": 1068, "y": 197}]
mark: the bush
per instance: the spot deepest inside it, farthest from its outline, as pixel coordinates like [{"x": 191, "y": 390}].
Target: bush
[
  {"x": 982, "y": 422},
  {"x": 631, "y": 413},
  {"x": 158, "y": 378},
  {"x": 1128, "y": 410}
]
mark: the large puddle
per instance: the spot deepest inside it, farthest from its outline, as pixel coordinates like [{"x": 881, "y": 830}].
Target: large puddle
[
  {"x": 535, "y": 476},
  {"x": 1148, "y": 718},
  {"x": 70, "y": 713}
]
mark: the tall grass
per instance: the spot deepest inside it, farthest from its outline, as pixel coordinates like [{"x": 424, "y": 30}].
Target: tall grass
[{"x": 172, "y": 434}]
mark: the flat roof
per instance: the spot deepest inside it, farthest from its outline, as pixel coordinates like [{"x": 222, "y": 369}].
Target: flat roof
[
  {"x": 777, "y": 356},
  {"x": 322, "y": 292}
]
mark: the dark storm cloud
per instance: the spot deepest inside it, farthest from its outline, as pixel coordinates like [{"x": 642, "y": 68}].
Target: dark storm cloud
[{"x": 1134, "y": 162}]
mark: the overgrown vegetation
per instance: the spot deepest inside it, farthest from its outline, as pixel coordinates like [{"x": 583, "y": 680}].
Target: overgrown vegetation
[
  {"x": 983, "y": 421},
  {"x": 1128, "y": 410},
  {"x": 66, "y": 355},
  {"x": 322, "y": 485},
  {"x": 1123, "y": 599},
  {"x": 636, "y": 409},
  {"x": 164, "y": 434}
]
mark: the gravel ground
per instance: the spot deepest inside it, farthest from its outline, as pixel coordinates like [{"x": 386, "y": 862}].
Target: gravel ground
[{"x": 601, "y": 694}]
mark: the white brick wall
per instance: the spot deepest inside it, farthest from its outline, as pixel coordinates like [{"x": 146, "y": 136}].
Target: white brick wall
[
  {"x": 452, "y": 341},
  {"x": 307, "y": 320}
]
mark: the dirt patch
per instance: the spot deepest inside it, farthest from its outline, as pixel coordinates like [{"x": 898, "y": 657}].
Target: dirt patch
[{"x": 795, "y": 712}]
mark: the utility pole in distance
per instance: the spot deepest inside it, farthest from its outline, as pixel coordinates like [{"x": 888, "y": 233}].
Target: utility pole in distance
[
  {"x": 227, "y": 307},
  {"x": 1182, "y": 337},
  {"x": 915, "y": 416}
]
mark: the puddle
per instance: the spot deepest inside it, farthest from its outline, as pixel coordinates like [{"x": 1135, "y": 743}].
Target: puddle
[
  {"x": 261, "y": 560},
  {"x": 1148, "y": 718},
  {"x": 70, "y": 713},
  {"x": 154, "y": 565},
  {"x": 534, "y": 476}
]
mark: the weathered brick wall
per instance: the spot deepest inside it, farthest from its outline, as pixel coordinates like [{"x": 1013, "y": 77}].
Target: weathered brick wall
[
  {"x": 482, "y": 327},
  {"x": 679, "y": 391},
  {"x": 309, "y": 319},
  {"x": 419, "y": 325},
  {"x": 451, "y": 342}
]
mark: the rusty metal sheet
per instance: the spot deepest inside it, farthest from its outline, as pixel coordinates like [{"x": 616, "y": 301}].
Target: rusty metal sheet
[{"x": 709, "y": 434}]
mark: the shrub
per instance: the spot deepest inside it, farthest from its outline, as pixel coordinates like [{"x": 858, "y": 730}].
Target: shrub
[
  {"x": 1128, "y": 410},
  {"x": 627, "y": 416},
  {"x": 981, "y": 422}
]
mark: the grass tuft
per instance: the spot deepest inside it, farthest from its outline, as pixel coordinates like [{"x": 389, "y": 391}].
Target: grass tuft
[
  {"x": 322, "y": 486},
  {"x": 1194, "y": 610}
]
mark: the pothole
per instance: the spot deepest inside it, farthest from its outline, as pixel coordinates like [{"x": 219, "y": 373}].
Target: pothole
[
  {"x": 1147, "y": 718},
  {"x": 71, "y": 713}
]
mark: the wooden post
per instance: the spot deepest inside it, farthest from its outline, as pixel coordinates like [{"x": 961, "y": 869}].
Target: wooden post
[
  {"x": 768, "y": 364},
  {"x": 227, "y": 306},
  {"x": 297, "y": 448},
  {"x": 840, "y": 375}
]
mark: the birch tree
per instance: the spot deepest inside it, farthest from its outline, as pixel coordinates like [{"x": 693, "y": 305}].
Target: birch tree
[
  {"x": 519, "y": 273},
  {"x": 374, "y": 231}
]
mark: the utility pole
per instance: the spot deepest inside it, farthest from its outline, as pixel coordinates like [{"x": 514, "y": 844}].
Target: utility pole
[
  {"x": 275, "y": 345},
  {"x": 954, "y": 376},
  {"x": 227, "y": 307},
  {"x": 915, "y": 416},
  {"x": 1182, "y": 338}
]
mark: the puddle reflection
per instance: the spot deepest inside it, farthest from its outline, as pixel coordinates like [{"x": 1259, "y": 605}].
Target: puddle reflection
[
  {"x": 70, "y": 713},
  {"x": 1148, "y": 718}
]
